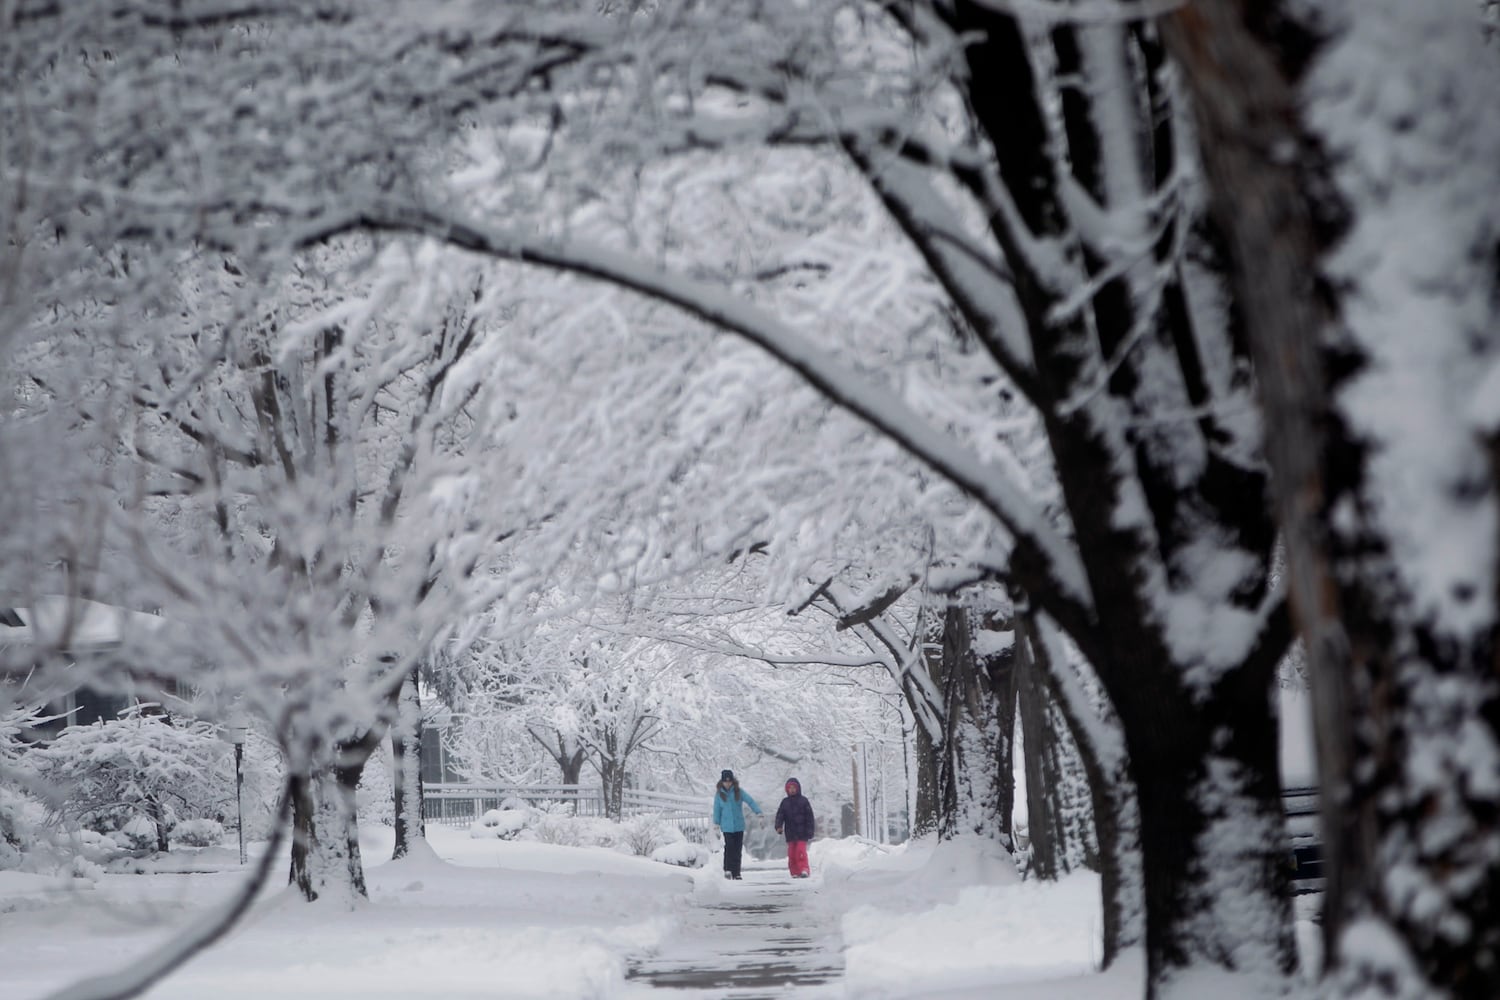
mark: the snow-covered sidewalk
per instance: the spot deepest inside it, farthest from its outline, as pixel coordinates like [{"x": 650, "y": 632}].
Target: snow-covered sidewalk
[
  {"x": 530, "y": 920},
  {"x": 756, "y": 937}
]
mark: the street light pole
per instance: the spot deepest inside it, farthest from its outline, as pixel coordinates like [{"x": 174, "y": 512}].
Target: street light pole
[
  {"x": 239, "y": 790},
  {"x": 236, "y": 730}
]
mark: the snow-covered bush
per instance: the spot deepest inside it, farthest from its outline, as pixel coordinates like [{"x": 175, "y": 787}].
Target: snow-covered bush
[
  {"x": 81, "y": 867},
  {"x": 21, "y": 818},
  {"x": 642, "y": 835},
  {"x": 596, "y": 831},
  {"x": 374, "y": 798},
  {"x": 140, "y": 833},
  {"x": 21, "y": 815},
  {"x": 140, "y": 773},
  {"x": 682, "y": 853},
  {"x": 198, "y": 833},
  {"x": 555, "y": 829},
  {"x": 93, "y": 846},
  {"x": 501, "y": 824}
]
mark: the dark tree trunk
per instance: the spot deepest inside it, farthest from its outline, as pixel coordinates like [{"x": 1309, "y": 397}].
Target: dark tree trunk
[
  {"x": 1395, "y": 689},
  {"x": 566, "y": 751},
  {"x": 858, "y": 809},
  {"x": 1000, "y": 669},
  {"x": 1101, "y": 751},
  {"x": 406, "y": 767},
  {"x": 1044, "y": 820},
  {"x": 969, "y": 780},
  {"x": 1146, "y": 498},
  {"x": 928, "y": 749},
  {"x": 159, "y": 821},
  {"x": 326, "y": 861},
  {"x": 612, "y": 780},
  {"x": 926, "y": 758},
  {"x": 571, "y": 766},
  {"x": 614, "y": 794}
]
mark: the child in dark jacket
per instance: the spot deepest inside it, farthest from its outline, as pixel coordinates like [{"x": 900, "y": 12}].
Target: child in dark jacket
[{"x": 795, "y": 818}]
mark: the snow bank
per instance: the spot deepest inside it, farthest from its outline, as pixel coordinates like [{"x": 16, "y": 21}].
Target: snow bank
[
  {"x": 957, "y": 913},
  {"x": 681, "y": 854}
]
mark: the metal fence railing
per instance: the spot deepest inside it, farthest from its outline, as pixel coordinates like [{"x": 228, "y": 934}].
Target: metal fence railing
[{"x": 460, "y": 804}]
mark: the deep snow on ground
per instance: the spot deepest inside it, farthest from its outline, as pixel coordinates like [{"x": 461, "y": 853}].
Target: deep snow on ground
[{"x": 524, "y": 919}]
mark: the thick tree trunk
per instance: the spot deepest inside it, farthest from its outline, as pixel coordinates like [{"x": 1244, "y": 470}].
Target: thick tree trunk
[
  {"x": 325, "y": 839},
  {"x": 612, "y": 779},
  {"x": 1101, "y": 749},
  {"x": 970, "y": 784},
  {"x": 926, "y": 756},
  {"x": 1084, "y": 107},
  {"x": 1044, "y": 821},
  {"x": 406, "y": 767},
  {"x": 566, "y": 751},
  {"x": 326, "y": 862},
  {"x": 1245, "y": 104},
  {"x": 1404, "y": 690},
  {"x": 1212, "y": 835},
  {"x": 1000, "y": 668},
  {"x": 571, "y": 766},
  {"x": 929, "y": 749}
]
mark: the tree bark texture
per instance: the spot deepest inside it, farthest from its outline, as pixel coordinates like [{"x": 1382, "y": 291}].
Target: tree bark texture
[
  {"x": 406, "y": 767},
  {"x": 928, "y": 749},
  {"x": 971, "y": 785},
  {"x": 326, "y": 862},
  {"x": 1044, "y": 821},
  {"x": 1101, "y": 749},
  {"x": 1142, "y": 494},
  {"x": 1000, "y": 670},
  {"x": 1406, "y": 700}
]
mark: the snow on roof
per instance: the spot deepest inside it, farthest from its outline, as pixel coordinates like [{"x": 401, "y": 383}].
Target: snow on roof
[{"x": 73, "y": 623}]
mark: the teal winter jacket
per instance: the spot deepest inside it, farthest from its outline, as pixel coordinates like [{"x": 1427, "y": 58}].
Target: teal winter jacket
[{"x": 729, "y": 815}]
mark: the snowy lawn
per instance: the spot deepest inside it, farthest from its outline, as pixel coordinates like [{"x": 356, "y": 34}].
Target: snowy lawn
[
  {"x": 481, "y": 918},
  {"x": 525, "y": 919}
]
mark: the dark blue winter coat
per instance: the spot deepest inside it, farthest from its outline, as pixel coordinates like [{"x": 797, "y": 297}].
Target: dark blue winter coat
[{"x": 795, "y": 816}]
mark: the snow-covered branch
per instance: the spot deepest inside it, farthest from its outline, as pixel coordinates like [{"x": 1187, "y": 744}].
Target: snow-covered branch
[{"x": 1042, "y": 553}]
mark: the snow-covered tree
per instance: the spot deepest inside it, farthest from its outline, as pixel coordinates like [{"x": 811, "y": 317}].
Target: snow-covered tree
[
  {"x": 144, "y": 767},
  {"x": 1037, "y": 161},
  {"x": 1354, "y": 152}
]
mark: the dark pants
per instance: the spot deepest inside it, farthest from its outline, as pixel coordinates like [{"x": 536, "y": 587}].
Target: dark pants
[{"x": 734, "y": 843}]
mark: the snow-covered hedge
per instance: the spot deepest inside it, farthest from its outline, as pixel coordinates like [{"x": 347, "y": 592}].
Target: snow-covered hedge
[
  {"x": 556, "y": 829},
  {"x": 198, "y": 833},
  {"x": 644, "y": 835}
]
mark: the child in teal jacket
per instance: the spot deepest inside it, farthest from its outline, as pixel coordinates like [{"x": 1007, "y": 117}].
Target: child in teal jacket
[{"x": 729, "y": 816}]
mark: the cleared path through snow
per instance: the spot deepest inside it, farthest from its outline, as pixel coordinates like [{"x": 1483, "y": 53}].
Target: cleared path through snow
[{"x": 760, "y": 938}]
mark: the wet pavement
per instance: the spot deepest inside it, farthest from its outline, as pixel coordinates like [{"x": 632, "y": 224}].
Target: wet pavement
[{"x": 762, "y": 938}]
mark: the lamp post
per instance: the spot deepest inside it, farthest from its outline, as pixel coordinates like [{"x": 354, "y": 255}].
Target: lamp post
[{"x": 235, "y": 731}]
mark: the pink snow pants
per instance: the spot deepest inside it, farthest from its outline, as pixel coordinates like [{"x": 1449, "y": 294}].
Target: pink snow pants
[{"x": 796, "y": 858}]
